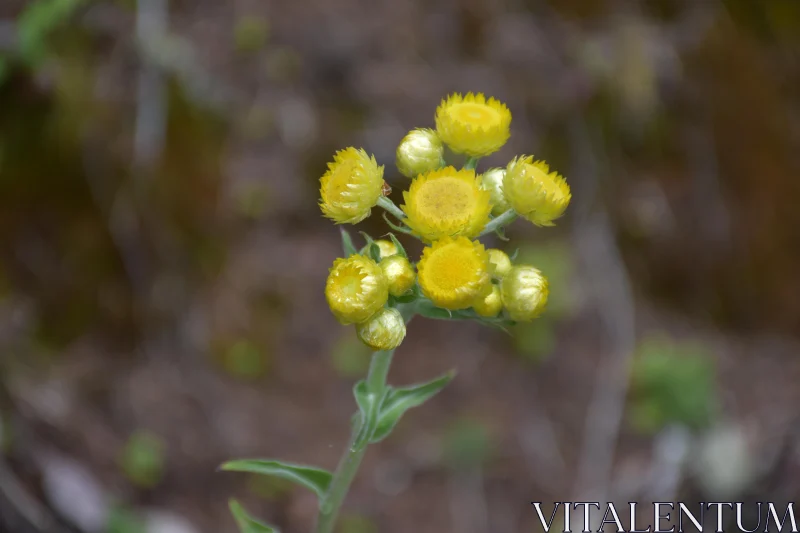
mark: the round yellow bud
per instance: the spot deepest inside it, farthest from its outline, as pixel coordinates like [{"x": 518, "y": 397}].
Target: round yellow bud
[
  {"x": 420, "y": 150},
  {"x": 356, "y": 289},
  {"x": 499, "y": 262},
  {"x": 524, "y": 292},
  {"x": 473, "y": 124},
  {"x": 490, "y": 304},
  {"x": 351, "y": 187},
  {"x": 387, "y": 248},
  {"x": 384, "y": 330},
  {"x": 399, "y": 273},
  {"x": 534, "y": 192},
  {"x": 492, "y": 181},
  {"x": 454, "y": 272}
]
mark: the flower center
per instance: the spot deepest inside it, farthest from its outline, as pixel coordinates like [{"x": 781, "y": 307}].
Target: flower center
[
  {"x": 446, "y": 199},
  {"x": 350, "y": 283},
  {"x": 452, "y": 267},
  {"x": 480, "y": 115}
]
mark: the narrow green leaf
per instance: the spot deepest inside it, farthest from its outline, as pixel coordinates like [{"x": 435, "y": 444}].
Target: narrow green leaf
[
  {"x": 246, "y": 523},
  {"x": 395, "y": 227},
  {"x": 513, "y": 256},
  {"x": 400, "y": 400},
  {"x": 426, "y": 308},
  {"x": 369, "y": 404},
  {"x": 310, "y": 477},
  {"x": 498, "y": 322},
  {"x": 371, "y": 249},
  {"x": 347, "y": 243},
  {"x": 400, "y": 249}
]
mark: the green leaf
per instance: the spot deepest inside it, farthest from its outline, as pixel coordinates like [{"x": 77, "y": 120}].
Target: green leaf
[
  {"x": 400, "y": 400},
  {"x": 347, "y": 243},
  {"x": 246, "y": 523},
  {"x": 400, "y": 249},
  {"x": 427, "y": 309},
  {"x": 371, "y": 249},
  {"x": 395, "y": 227},
  {"x": 369, "y": 403},
  {"x": 513, "y": 256},
  {"x": 498, "y": 322},
  {"x": 310, "y": 477}
]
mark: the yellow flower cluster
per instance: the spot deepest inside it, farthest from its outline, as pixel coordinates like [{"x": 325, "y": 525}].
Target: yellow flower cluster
[{"x": 448, "y": 209}]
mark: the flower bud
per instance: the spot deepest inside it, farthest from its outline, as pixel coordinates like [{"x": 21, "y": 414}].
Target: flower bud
[
  {"x": 524, "y": 292},
  {"x": 399, "y": 274},
  {"x": 492, "y": 181},
  {"x": 356, "y": 289},
  {"x": 535, "y": 193},
  {"x": 387, "y": 248},
  {"x": 490, "y": 304},
  {"x": 499, "y": 263},
  {"x": 385, "y": 330},
  {"x": 351, "y": 187},
  {"x": 420, "y": 150}
]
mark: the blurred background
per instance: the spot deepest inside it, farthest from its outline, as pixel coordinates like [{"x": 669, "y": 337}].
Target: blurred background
[{"x": 163, "y": 258}]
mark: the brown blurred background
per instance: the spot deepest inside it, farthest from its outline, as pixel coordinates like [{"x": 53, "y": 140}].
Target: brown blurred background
[{"x": 162, "y": 259}]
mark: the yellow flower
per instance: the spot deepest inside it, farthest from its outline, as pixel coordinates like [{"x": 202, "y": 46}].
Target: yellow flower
[
  {"x": 351, "y": 187},
  {"x": 492, "y": 181},
  {"x": 399, "y": 273},
  {"x": 387, "y": 248},
  {"x": 419, "y": 151},
  {"x": 490, "y": 304},
  {"x": 385, "y": 330},
  {"x": 499, "y": 262},
  {"x": 356, "y": 289},
  {"x": 534, "y": 192},
  {"x": 524, "y": 292},
  {"x": 446, "y": 202},
  {"x": 454, "y": 272},
  {"x": 472, "y": 124}
]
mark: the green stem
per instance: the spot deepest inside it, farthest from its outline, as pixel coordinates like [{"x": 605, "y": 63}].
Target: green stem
[
  {"x": 351, "y": 460},
  {"x": 388, "y": 205},
  {"x": 472, "y": 163},
  {"x": 498, "y": 222}
]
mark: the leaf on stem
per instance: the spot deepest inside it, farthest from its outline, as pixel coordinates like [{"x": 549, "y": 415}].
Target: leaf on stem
[
  {"x": 399, "y": 400},
  {"x": 369, "y": 404},
  {"x": 347, "y": 243},
  {"x": 371, "y": 249},
  {"x": 400, "y": 249},
  {"x": 395, "y": 227},
  {"x": 428, "y": 309},
  {"x": 315, "y": 479},
  {"x": 246, "y": 523}
]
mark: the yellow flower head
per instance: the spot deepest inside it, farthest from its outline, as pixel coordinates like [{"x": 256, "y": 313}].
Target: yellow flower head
[
  {"x": 446, "y": 202},
  {"x": 499, "y": 262},
  {"x": 490, "y": 304},
  {"x": 492, "y": 181},
  {"x": 387, "y": 248},
  {"x": 472, "y": 124},
  {"x": 399, "y": 274},
  {"x": 385, "y": 330},
  {"x": 534, "y": 192},
  {"x": 524, "y": 292},
  {"x": 454, "y": 272},
  {"x": 356, "y": 289},
  {"x": 419, "y": 151},
  {"x": 351, "y": 187}
]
